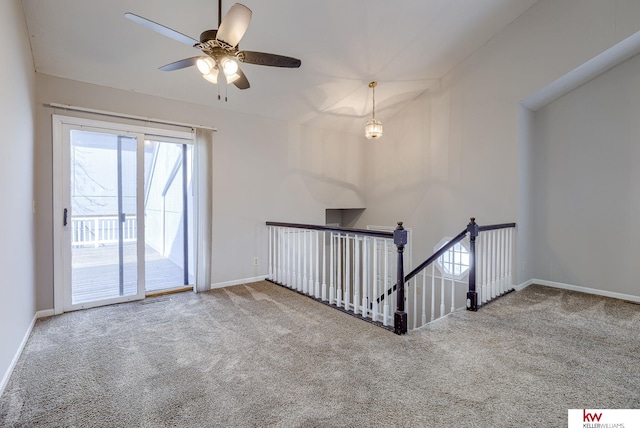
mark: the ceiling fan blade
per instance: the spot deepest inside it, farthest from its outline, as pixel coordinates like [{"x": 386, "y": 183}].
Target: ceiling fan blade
[
  {"x": 241, "y": 82},
  {"x": 183, "y": 63},
  {"x": 233, "y": 26},
  {"x": 161, "y": 29},
  {"x": 272, "y": 60}
]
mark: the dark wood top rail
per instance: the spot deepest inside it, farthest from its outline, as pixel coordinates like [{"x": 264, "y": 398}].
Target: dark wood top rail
[
  {"x": 459, "y": 237},
  {"x": 495, "y": 227},
  {"x": 374, "y": 233}
]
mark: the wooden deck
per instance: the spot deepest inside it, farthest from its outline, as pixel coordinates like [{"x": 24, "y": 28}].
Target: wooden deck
[{"x": 95, "y": 272}]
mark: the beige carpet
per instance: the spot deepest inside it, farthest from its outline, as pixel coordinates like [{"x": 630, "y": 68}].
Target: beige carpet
[{"x": 262, "y": 355}]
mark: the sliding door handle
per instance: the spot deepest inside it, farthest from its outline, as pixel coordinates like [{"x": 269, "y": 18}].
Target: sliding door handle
[{"x": 64, "y": 217}]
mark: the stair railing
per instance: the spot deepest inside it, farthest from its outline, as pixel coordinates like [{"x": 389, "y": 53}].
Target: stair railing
[
  {"x": 488, "y": 276},
  {"x": 342, "y": 267},
  {"x": 351, "y": 270},
  {"x": 492, "y": 278}
]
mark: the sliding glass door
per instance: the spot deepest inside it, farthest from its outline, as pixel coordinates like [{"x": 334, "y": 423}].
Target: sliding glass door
[{"x": 124, "y": 205}]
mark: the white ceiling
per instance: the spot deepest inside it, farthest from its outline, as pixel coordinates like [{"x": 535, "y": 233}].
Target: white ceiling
[{"x": 404, "y": 45}]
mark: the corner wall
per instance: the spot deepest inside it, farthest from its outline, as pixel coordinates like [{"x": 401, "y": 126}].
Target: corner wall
[
  {"x": 461, "y": 156},
  {"x": 586, "y": 195},
  {"x": 263, "y": 170},
  {"x": 17, "y": 117}
]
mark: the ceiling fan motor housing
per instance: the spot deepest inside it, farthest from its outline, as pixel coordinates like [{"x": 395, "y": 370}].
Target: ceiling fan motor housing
[{"x": 208, "y": 35}]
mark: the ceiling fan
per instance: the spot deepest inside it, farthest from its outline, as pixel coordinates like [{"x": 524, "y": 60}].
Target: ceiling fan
[{"x": 220, "y": 47}]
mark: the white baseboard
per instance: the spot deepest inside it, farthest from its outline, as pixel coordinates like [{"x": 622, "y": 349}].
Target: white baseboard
[
  {"x": 238, "y": 282},
  {"x": 14, "y": 361},
  {"x": 587, "y": 290},
  {"x": 45, "y": 313},
  {"x": 523, "y": 285}
]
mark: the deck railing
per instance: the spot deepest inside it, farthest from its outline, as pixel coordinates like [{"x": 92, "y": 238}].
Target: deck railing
[
  {"x": 357, "y": 271},
  {"x": 100, "y": 230}
]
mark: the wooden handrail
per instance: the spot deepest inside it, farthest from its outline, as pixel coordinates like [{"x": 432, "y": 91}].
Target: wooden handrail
[
  {"x": 495, "y": 226},
  {"x": 459, "y": 237},
  {"x": 374, "y": 233}
]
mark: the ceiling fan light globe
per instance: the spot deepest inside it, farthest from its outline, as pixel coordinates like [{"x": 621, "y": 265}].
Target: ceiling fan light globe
[
  {"x": 373, "y": 129},
  {"x": 205, "y": 65},
  {"x": 212, "y": 76},
  {"x": 232, "y": 78},
  {"x": 229, "y": 67}
]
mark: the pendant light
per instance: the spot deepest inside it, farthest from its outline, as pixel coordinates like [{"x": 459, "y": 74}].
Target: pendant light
[{"x": 373, "y": 128}]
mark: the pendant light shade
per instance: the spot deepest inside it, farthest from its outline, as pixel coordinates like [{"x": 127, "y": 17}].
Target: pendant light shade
[{"x": 373, "y": 128}]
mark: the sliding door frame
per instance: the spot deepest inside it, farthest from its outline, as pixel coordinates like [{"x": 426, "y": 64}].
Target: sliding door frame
[{"x": 61, "y": 125}]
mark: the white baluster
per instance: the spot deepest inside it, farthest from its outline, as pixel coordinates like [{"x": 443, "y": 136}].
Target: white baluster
[
  {"x": 317, "y": 282},
  {"x": 309, "y": 283},
  {"x": 442, "y": 288},
  {"x": 498, "y": 262},
  {"x": 424, "y": 297},
  {"x": 324, "y": 266},
  {"x": 509, "y": 255},
  {"x": 415, "y": 301},
  {"x": 304, "y": 262},
  {"x": 478, "y": 264},
  {"x": 332, "y": 289},
  {"x": 493, "y": 265},
  {"x": 356, "y": 274},
  {"x": 453, "y": 279},
  {"x": 270, "y": 231},
  {"x": 433, "y": 291},
  {"x": 503, "y": 260},
  {"x": 483, "y": 267},
  {"x": 290, "y": 258},
  {"x": 299, "y": 260},
  {"x": 497, "y": 275},
  {"x": 289, "y": 268},
  {"x": 339, "y": 273},
  {"x": 385, "y": 320},
  {"x": 347, "y": 274},
  {"x": 374, "y": 274},
  {"x": 275, "y": 254},
  {"x": 280, "y": 268},
  {"x": 365, "y": 277}
]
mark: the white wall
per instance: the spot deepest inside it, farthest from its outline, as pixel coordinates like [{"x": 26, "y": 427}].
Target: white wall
[
  {"x": 455, "y": 152},
  {"x": 263, "y": 170},
  {"x": 17, "y": 113},
  {"x": 587, "y": 184}
]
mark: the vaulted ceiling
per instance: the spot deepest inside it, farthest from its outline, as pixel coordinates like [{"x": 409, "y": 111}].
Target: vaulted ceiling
[{"x": 404, "y": 45}]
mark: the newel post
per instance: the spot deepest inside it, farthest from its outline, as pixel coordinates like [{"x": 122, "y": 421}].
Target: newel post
[
  {"x": 472, "y": 295},
  {"x": 400, "y": 317}
]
